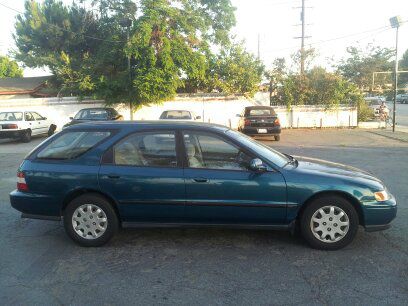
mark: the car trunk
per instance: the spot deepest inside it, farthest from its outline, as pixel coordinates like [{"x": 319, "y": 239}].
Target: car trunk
[{"x": 262, "y": 121}]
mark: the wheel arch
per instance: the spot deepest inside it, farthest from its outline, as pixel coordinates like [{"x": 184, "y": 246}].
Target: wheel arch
[
  {"x": 353, "y": 201},
  {"x": 81, "y": 191}
]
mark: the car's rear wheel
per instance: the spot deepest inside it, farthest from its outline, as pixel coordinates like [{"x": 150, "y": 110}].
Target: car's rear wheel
[
  {"x": 26, "y": 136},
  {"x": 90, "y": 220},
  {"x": 329, "y": 223}
]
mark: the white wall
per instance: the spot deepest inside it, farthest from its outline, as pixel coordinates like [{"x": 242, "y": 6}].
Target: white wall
[{"x": 211, "y": 108}]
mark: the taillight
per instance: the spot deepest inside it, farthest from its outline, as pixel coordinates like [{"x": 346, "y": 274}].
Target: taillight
[
  {"x": 277, "y": 122},
  {"x": 247, "y": 122},
  {"x": 21, "y": 182},
  {"x": 10, "y": 126}
]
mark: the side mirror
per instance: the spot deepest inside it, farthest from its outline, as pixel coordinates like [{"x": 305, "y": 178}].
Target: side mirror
[
  {"x": 257, "y": 165},
  {"x": 238, "y": 115},
  {"x": 71, "y": 118},
  {"x": 198, "y": 117}
]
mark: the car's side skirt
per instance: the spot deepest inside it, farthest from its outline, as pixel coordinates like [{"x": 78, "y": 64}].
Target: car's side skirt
[{"x": 207, "y": 225}]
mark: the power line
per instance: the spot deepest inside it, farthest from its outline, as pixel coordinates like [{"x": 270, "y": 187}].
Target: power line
[
  {"x": 334, "y": 38},
  {"x": 65, "y": 30}
]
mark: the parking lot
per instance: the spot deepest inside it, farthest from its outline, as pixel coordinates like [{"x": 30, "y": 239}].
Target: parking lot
[{"x": 39, "y": 264}]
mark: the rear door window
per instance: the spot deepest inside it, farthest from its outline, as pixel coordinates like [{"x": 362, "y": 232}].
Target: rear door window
[
  {"x": 150, "y": 149},
  {"x": 72, "y": 144}
]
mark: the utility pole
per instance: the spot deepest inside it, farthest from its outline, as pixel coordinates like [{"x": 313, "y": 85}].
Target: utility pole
[
  {"x": 302, "y": 44},
  {"x": 130, "y": 76},
  {"x": 127, "y": 23},
  {"x": 259, "y": 47},
  {"x": 302, "y": 37},
  {"x": 395, "y": 23}
]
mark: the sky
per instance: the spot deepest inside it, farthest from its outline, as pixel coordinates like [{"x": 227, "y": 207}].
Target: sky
[{"x": 275, "y": 22}]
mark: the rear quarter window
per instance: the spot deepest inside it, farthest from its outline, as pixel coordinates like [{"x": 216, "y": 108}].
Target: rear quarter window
[{"x": 72, "y": 144}]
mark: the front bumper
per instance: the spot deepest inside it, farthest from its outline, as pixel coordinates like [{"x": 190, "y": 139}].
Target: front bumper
[
  {"x": 252, "y": 131},
  {"x": 31, "y": 204},
  {"x": 378, "y": 216}
]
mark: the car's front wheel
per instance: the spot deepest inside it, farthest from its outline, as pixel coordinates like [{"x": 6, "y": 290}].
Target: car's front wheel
[
  {"x": 90, "y": 220},
  {"x": 329, "y": 223}
]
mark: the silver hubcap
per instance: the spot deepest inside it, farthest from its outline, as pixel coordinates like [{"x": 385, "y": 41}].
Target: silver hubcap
[
  {"x": 329, "y": 224},
  {"x": 89, "y": 221}
]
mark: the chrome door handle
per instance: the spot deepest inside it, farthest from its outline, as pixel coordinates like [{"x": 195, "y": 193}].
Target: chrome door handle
[{"x": 200, "y": 180}]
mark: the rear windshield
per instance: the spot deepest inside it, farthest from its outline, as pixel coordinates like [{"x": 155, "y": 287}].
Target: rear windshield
[
  {"x": 11, "y": 116},
  {"x": 261, "y": 112},
  {"x": 72, "y": 144},
  {"x": 176, "y": 115},
  {"x": 92, "y": 114}
]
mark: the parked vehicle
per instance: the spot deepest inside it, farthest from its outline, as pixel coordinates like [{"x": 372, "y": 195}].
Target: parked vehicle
[
  {"x": 402, "y": 98},
  {"x": 94, "y": 114},
  {"x": 376, "y": 98},
  {"x": 259, "y": 121},
  {"x": 181, "y": 115},
  {"x": 19, "y": 124},
  {"x": 96, "y": 177},
  {"x": 375, "y": 105}
]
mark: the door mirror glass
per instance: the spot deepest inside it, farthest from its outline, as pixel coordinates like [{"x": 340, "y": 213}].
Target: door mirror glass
[
  {"x": 70, "y": 118},
  {"x": 198, "y": 117},
  {"x": 257, "y": 165}
]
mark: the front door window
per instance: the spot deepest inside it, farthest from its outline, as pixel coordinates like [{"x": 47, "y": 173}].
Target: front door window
[{"x": 212, "y": 152}]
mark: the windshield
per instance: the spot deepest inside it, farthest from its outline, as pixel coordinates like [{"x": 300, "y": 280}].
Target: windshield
[
  {"x": 176, "y": 115},
  {"x": 92, "y": 114},
  {"x": 275, "y": 157},
  {"x": 11, "y": 116}
]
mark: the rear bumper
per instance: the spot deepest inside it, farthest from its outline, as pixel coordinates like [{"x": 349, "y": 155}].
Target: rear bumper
[
  {"x": 34, "y": 204},
  {"x": 252, "y": 131},
  {"x": 10, "y": 134}
]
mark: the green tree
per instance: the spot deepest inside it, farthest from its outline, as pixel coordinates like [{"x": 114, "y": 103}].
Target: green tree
[
  {"x": 403, "y": 77},
  {"x": 9, "y": 68},
  {"x": 236, "y": 71},
  {"x": 318, "y": 87},
  {"x": 359, "y": 65},
  {"x": 276, "y": 76},
  {"x": 87, "y": 48}
]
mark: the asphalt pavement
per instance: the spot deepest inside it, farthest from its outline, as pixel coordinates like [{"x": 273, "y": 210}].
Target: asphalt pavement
[{"x": 40, "y": 265}]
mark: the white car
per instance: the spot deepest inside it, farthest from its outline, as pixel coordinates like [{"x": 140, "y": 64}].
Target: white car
[
  {"x": 179, "y": 115},
  {"x": 24, "y": 124}
]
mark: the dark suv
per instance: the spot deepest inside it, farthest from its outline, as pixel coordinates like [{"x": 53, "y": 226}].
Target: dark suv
[{"x": 259, "y": 121}]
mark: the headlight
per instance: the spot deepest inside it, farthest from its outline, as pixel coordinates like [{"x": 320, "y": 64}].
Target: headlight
[{"x": 381, "y": 196}]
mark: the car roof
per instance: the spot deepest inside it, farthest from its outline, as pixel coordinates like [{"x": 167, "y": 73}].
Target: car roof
[
  {"x": 177, "y": 110},
  {"x": 259, "y": 107},
  {"x": 149, "y": 124},
  {"x": 90, "y": 108}
]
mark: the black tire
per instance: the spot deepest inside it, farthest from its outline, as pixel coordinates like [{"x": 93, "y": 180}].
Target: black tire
[
  {"x": 112, "y": 224},
  {"x": 26, "y": 136},
  {"x": 277, "y": 137},
  {"x": 51, "y": 130},
  {"x": 314, "y": 206}
]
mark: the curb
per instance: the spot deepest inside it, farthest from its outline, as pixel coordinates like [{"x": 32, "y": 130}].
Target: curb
[{"x": 389, "y": 136}]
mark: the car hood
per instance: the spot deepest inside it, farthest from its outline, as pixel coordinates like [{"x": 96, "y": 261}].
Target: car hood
[{"x": 314, "y": 165}]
